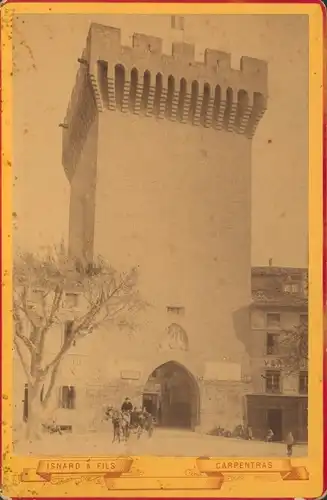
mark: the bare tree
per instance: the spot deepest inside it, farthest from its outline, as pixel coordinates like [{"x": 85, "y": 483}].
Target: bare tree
[
  {"x": 293, "y": 347},
  {"x": 106, "y": 294}
]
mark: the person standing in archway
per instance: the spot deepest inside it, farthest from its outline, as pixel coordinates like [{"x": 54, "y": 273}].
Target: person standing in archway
[{"x": 159, "y": 414}]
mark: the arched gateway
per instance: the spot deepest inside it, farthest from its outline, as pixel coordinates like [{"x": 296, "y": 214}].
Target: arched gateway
[{"x": 171, "y": 394}]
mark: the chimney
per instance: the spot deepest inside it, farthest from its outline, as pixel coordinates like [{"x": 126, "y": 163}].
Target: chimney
[{"x": 270, "y": 262}]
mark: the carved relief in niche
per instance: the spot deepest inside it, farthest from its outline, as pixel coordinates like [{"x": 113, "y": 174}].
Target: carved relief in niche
[{"x": 175, "y": 338}]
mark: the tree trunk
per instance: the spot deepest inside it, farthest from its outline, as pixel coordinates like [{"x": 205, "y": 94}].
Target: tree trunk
[{"x": 36, "y": 413}]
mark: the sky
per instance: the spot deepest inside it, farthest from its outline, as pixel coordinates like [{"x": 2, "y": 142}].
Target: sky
[{"x": 46, "y": 48}]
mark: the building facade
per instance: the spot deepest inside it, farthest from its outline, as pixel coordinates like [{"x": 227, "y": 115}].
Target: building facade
[
  {"x": 157, "y": 151},
  {"x": 273, "y": 395},
  {"x": 279, "y": 321}
]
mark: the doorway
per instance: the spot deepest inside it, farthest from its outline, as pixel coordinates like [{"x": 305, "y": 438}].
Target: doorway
[
  {"x": 151, "y": 403},
  {"x": 275, "y": 423},
  {"x": 176, "y": 401}
]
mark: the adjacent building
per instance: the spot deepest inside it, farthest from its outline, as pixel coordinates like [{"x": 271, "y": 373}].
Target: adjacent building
[
  {"x": 272, "y": 396},
  {"x": 279, "y": 319}
]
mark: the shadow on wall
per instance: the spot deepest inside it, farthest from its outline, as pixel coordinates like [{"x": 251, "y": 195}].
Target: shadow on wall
[{"x": 242, "y": 326}]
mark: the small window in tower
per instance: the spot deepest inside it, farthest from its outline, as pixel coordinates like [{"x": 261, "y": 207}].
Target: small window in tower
[
  {"x": 177, "y": 22},
  {"x": 176, "y": 310}
]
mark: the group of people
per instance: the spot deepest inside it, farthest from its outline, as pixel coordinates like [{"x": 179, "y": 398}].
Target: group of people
[
  {"x": 245, "y": 432},
  {"x": 129, "y": 418},
  {"x": 139, "y": 417}
]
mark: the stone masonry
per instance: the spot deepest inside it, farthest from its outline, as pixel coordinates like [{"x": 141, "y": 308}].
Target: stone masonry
[{"x": 157, "y": 150}]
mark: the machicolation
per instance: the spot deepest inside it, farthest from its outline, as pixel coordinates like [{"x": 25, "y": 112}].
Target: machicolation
[{"x": 144, "y": 81}]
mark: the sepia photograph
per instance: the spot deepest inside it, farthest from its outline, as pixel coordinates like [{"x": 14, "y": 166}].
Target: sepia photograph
[{"x": 160, "y": 235}]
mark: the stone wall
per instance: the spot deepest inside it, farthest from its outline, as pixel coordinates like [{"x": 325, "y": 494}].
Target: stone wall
[{"x": 162, "y": 181}]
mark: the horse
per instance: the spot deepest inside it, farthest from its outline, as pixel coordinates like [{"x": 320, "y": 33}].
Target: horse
[
  {"x": 116, "y": 418},
  {"x": 143, "y": 422},
  {"x": 125, "y": 424}
]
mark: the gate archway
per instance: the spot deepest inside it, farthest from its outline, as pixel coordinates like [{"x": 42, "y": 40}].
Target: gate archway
[{"x": 172, "y": 396}]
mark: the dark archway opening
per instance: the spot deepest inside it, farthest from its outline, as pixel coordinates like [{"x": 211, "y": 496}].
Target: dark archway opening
[
  {"x": 216, "y": 104},
  {"x": 171, "y": 395},
  {"x": 170, "y": 95},
  {"x": 133, "y": 89},
  {"x": 181, "y": 100},
  {"x": 119, "y": 85},
  {"x": 229, "y": 98},
  {"x": 157, "y": 94},
  {"x": 146, "y": 90},
  {"x": 242, "y": 104},
  {"x": 103, "y": 81},
  {"x": 194, "y": 100},
  {"x": 205, "y": 103}
]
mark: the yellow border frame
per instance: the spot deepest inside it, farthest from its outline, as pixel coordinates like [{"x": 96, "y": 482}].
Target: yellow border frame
[{"x": 159, "y": 474}]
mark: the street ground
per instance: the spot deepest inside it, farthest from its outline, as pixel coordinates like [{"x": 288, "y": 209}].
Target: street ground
[{"x": 164, "y": 442}]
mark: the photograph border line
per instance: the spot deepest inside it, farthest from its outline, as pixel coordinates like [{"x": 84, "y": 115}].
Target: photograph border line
[{"x": 27, "y": 477}]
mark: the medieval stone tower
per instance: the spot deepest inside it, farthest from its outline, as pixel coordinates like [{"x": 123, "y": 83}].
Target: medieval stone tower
[{"x": 157, "y": 150}]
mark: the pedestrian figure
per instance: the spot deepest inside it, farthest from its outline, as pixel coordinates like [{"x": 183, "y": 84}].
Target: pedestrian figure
[
  {"x": 148, "y": 423},
  {"x": 289, "y": 444},
  {"x": 269, "y": 436},
  {"x": 127, "y": 405},
  {"x": 249, "y": 433}
]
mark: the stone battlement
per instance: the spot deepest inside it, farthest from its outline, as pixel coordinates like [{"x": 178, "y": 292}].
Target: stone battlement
[
  {"x": 104, "y": 44},
  {"x": 176, "y": 86},
  {"x": 142, "y": 80}
]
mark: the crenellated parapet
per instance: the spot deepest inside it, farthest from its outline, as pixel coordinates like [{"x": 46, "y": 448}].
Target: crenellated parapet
[{"x": 141, "y": 79}]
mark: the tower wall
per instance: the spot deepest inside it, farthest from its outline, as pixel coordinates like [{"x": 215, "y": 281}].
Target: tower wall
[
  {"x": 176, "y": 202},
  {"x": 157, "y": 149}
]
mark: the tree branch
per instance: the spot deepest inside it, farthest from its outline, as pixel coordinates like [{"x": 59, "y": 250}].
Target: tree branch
[
  {"x": 50, "y": 320},
  {"x": 51, "y": 384},
  {"x": 85, "y": 323},
  {"x": 107, "y": 293},
  {"x": 30, "y": 346},
  {"x": 111, "y": 315},
  {"x": 23, "y": 306},
  {"x": 23, "y": 361},
  {"x": 55, "y": 304}
]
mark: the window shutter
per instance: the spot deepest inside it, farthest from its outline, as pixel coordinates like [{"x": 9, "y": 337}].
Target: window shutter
[{"x": 73, "y": 389}]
